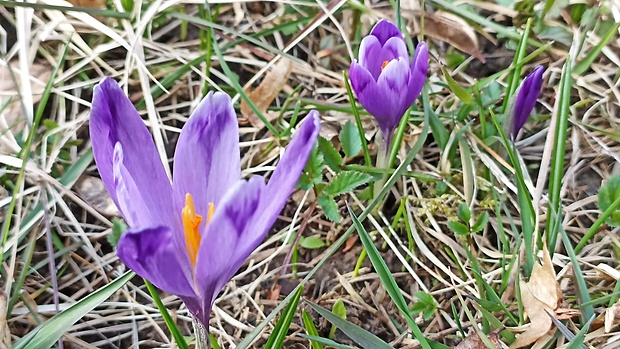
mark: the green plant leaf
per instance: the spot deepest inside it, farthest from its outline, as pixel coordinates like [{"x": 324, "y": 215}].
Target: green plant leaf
[
  {"x": 340, "y": 310},
  {"x": 458, "y": 227},
  {"x": 331, "y": 155},
  {"x": 465, "y": 96},
  {"x": 118, "y": 229},
  {"x": 313, "y": 173},
  {"x": 330, "y": 208},
  {"x": 346, "y": 181},
  {"x": 350, "y": 140},
  {"x": 360, "y": 336},
  {"x": 312, "y": 243},
  {"x": 463, "y": 212},
  {"x": 47, "y": 334},
  {"x": 480, "y": 222},
  {"x": 387, "y": 280},
  {"x": 276, "y": 339},
  {"x": 310, "y": 329},
  {"x": 607, "y": 194}
]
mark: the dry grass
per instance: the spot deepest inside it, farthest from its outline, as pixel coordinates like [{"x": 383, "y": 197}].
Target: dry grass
[{"x": 60, "y": 206}]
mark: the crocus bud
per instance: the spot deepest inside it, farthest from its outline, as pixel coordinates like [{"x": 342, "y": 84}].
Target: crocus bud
[
  {"x": 525, "y": 100},
  {"x": 385, "y": 81}
]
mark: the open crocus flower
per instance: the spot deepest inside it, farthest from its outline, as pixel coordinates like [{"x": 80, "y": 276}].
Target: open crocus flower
[
  {"x": 525, "y": 100},
  {"x": 385, "y": 81},
  {"x": 189, "y": 237}
]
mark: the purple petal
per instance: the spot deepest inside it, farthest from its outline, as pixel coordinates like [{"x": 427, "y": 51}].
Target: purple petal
[
  {"x": 113, "y": 120},
  {"x": 371, "y": 55},
  {"x": 384, "y": 30},
  {"x": 151, "y": 254},
  {"x": 206, "y": 161},
  {"x": 229, "y": 238},
  {"x": 395, "y": 48},
  {"x": 527, "y": 95},
  {"x": 290, "y": 167},
  {"x": 368, "y": 93},
  {"x": 394, "y": 82},
  {"x": 130, "y": 200},
  {"x": 419, "y": 68}
]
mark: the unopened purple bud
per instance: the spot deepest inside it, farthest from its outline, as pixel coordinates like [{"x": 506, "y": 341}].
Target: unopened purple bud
[{"x": 526, "y": 96}]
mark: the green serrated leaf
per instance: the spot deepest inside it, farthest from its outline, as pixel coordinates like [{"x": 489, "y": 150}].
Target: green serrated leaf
[
  {"x": 480, "y": 223},
  {"x": 458, "y": 227},
  {"x": 463, "y": 212},
  {"x": 350, "y": 140},
  {"x": 312, "y": 243},
  {"x": 313, "y": 172},
  {"x": 280, "y": 331},
  {"x": 330, "y": 208},
  {"x": 331, "y": 155},
  {"x": 346, "y": 181}
]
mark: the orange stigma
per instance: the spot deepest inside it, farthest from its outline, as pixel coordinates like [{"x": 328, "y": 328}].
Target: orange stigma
[
  {"x": 191, "y": 222},
  {"x": 384, "y": 65}
]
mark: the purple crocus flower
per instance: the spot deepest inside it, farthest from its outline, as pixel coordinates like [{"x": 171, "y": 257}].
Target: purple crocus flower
[
  {"x": 385, "y": 81},
  {"x": 189, "y": 237},
  {"x": 525, "y": 100}
]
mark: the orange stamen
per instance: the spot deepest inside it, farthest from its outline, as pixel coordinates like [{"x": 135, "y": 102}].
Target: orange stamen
[
  {"x": 191, "y": 222},
  {"x": 384, "y": 65}
]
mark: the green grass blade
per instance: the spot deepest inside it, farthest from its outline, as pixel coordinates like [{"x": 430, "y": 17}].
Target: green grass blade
[
  {"x": 387, "y": 279},
  {"x": 311, "y": 329},
  {"x": 46, "y": 335},
  {"x": 172, "y": 326},
  {"x": 358, "y": 121},
  {"x": 554, "y": 210},
  {"x": 359, "y": 335},
  {"x": 514, "y": 77},
  {"x": 277, "y": 337},
  {"x": 587, "y": 61}
]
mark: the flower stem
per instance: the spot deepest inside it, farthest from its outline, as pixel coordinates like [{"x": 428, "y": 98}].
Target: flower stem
[
  {"x": 202, "y": 334},
  {"x": 383, "y": 152}
]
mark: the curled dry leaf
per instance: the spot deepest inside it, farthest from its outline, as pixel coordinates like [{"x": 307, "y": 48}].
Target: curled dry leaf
[
  {"x": 267, "y": 91},
  {"x": 473, "y": 341},
  {"x": 449, "y": 28},
  {"x": 540, "y": 293},
  {"x": 92, "y": 190}
]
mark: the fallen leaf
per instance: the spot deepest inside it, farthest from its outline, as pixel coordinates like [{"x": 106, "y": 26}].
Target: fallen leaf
[
  {"x": 348, "y": 245},
  {"x": 449, "y": 28},
  {"x": 611, "y": 316},
  {"x": 473, "y": 341},
  {"x": 540, "y": 293},
  {"x": 266, "y": 92},
  {"x": 274, "y": 293},
  {"x": 92, "y": 190}
]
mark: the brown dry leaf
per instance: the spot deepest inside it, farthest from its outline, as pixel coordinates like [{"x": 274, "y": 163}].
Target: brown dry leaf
[
  {"x": 274, "y": 293},
  {"x": 348, "y": 245},
  {"x": 5, "y": 335},
  {"x": 540, "y": 293},
  {"x": 611, "y": 316},
  {"x": 267, "y": 91},
  {"x": 92, "y": 190},
  {"x": 473, "y": 341},
  {"x": 451, "y": 29},
  {"x": 88, "y": 3}
]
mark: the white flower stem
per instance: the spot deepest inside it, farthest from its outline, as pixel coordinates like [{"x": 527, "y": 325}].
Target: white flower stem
[
  {"x": 383, "y": 152},
  {"x": 202, "y": 335}
]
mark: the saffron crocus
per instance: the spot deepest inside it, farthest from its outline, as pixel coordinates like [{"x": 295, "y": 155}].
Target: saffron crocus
[
  {"x": 524, "y": 100},
  {"x": 385, "y": 81},
  {"x": 189, "y": 237}
]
